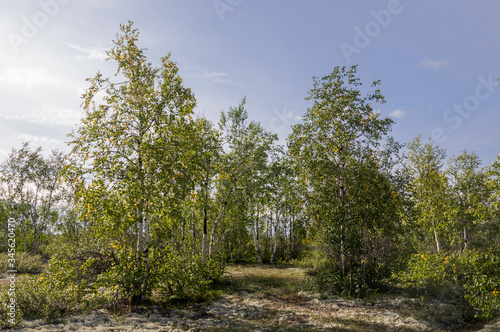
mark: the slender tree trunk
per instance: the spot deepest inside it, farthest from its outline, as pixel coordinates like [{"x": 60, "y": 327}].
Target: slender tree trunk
[
  {"x": 465, "y": 239},
  {"x": 34, "y": 219},
  {"x": 35, "y": 234},
  {"x": 204, "y": 239},
  {"x": 255, "y": 230},
  {"x": 39, "y": 231},
  {"x": 146, "y": 229},
  {"x": 139, "y": 258},
  {"x": 146, "y": 256},
  {"x": 275, "y": 241},
  {"x": 438, "y": 245},
  {"x": 290, "y": 237},
  {"x": 194, "y": 234},
  {"x": 205, "y": 222},
  {"x": 365, "y": 252},
  {"x": 140, "y": 213},
  {"x": 183, "y": 231},
  {"x": 23, "y": 223},
  {"x": 342, "y": 255},
  {"x": 342, "y": 198},
  {"x": 139, "y": 284},
  {"x": 139, "y": 244}
]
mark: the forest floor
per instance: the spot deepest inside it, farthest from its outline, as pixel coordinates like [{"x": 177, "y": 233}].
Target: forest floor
[{"x": 263, "y": 298}]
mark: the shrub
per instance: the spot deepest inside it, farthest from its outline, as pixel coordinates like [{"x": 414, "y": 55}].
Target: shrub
[
  {"x": 436, "y": 275},
  {"x": 474, "y": 276},
  {"x": 484, "y": 293},
  {"x": 38, "y": 297},
  {"x": 104, "y": 266},
  {"x": 63, "y": 289},
  {"x": 187, "y": 278},
  {"x": 328, "y": 277},
  {"x": 430, "y": 270},
  {"x": 357, "y": 276},
  {"x": 483, "y": 284}
]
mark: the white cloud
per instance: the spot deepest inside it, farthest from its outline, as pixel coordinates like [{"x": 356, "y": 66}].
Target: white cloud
[
  {"x": 47, "y": 115},
  {"x": 93, "y": 53},
  {"x": 432, "y": 64},
  {"x": 398, "y": 113},
  {"x": 27, "y": 77},
  {"x": 219, "y": 78},
  {"x": 40, "y": 140},
  {"x": 214, "y": 75}
]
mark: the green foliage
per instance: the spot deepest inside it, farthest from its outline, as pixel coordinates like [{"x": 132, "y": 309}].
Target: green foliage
[
  {"x": 25, "y": 263},
  {"x": 131, "y": 159},
  {"x": 31, "y": 193},
  {"x": 433, "y": 272},
  {"x": 96, "y": 267},
  {"x": 475, "y": 276},
  {"x": 329, "y": 278},
  {"x": 60, "y": 291},
  {"x": 493, "y": 182},
  {"x": 359, "y": 278},
  {"x": 43, "y": 297},
  {"x": 429, "y": 192},
  {"x": 40, "y": 296},
  {"x": 351, "y": 193},
  {"x": 242, "y": 178},
  {"x": 483, "y": 284},
  {"x": 186, "y": 277},
  {"x": 484, "y": 293},
  {"x": 455, "y": 209},
  {"x": 76, "y": 280}
]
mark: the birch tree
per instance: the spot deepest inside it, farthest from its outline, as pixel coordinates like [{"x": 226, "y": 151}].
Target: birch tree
[
  {"x": 336, "y": 152},
  {"x": 129, "y": 147},
  {"x": 30, "y": 187},
  {"x": 469, "y": 196},
  {"x": 247, "y": 146},
  {"x": 429, "y": 189}
]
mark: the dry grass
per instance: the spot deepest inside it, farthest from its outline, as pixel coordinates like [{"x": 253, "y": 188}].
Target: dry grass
[{"x": 264, "y": 281}]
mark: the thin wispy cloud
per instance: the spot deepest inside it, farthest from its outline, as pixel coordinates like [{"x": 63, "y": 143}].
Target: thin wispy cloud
[
  {"x": 432, "y": 64},
  {"x": 40, "y": 140},
  {"x": 398, "y": 113},
  {"x": 215, "y": 76},
  {"x": 47, "y": 115},
  {"x": 92, "y": 53},
  {"x": 219, "y": 78},
  {"x": 27, "y": 77}
]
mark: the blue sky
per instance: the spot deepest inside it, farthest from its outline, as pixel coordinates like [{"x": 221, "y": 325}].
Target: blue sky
[{"x": 438, "y": 61}]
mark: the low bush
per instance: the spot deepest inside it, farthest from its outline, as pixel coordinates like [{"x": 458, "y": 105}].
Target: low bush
[
  {"x": 51, "y": 295},
  {"x": 187, "y": 278},
  {"x": 37, "y": 297},
  {"x": 473, "y": 276},
  {"x": 432, "y": 271},
  {"x": 483, "y": 284},
  {"x": 329, "y": 278}
]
